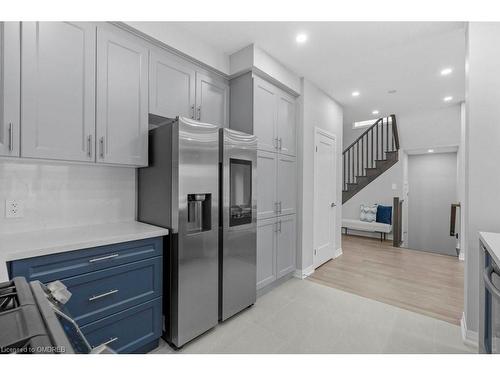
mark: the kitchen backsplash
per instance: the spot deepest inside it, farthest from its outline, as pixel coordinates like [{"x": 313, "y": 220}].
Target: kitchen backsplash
[{"x": 54, "y": 195}]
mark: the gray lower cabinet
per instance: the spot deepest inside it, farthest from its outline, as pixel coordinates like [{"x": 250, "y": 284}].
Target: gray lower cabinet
[
  {"x": 276, "y": 248},
  {"x": 212, "y": 100},
  {"x": 172, "y": 85},
  {"x": 122, "y": 98},
  {"x": 58, "y": 90},
  {"x": 10, "y": 82}
]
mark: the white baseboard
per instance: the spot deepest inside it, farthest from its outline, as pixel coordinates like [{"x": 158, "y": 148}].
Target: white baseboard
[
  {"x": 302, "y": 274},
  {"x": 468, "y": 337},
  {"x": 337, "y": 253},
  {"x": 461, "y": 255}
]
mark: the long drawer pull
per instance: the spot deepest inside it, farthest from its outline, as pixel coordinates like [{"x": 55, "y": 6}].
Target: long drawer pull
[
  {"x": 103, "y": 258},
  {"x": 113, "y": 291},
  {"x": 488, "y": 272},
  {"x": 113, "y": 339}
]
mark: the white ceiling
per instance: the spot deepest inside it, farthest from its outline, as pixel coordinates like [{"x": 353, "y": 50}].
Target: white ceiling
[{"x": 370, "y": 57}]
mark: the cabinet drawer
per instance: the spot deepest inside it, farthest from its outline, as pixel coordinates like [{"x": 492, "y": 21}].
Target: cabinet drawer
[
  {"x": 101, "y": 293},
  {"x": 58, "y": 266},
  {"x": 128, "y": 330}
]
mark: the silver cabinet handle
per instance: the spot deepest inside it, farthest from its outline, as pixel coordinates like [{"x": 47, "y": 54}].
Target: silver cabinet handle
[
  {"x": 276, "y": 143},
  {"x": 280, "y": 207},
  {"x": 280, "y": 143},
  {"x": 332, "y": 204},
  {"x": 107, "y": 257},
  {"x": 489, "y": 284},
  {"x": 280, "y": 226},
  {"x": 99, "y": 296},
  {"x": 199, "y": 112},
  {"x": 276, "y": 207},
  {"x": 101, "y": 143},
  {"x": 89, "y": 146},
  {"x": 11, "y": 137},
  {"x": 192, "y": 111},
  {"x": 113, "y": 339}
]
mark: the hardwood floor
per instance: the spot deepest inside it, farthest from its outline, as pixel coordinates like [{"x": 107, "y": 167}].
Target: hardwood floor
[{"x": 426, "y": 283}]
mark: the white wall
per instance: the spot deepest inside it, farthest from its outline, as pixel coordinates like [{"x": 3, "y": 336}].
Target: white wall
[
  {"x": 317, "y": 109},
  {"x": 420, "y": 130},
  {"x": 482, "y": 145},
  {"x": 58, "y": 195},
  {"x": 173, "y": 35},
  {"x": 433, "y": 188},
  {"x": 380, "y": 191}
]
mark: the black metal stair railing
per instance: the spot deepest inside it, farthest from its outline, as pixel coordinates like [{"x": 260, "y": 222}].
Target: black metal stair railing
[{"x": 370, "y": 147}]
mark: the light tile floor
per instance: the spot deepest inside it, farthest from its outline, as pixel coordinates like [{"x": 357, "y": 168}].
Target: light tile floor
[{"x": 300, "y": 316}]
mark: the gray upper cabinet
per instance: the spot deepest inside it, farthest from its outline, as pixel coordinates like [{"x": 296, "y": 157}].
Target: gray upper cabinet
[
  {"x": 265, "y": 115},
  {"x": 286, "y": 185},
  {"x": 287, "y": 141},
  {"x": 261, "y": 108},
  {"x": 171, "y": 86},
  {"x": 212, "y": 100},
  {"x": 122, "y": 98},
  {"x": 9, "y": 88},
  {"x": 58, "y": 90}
]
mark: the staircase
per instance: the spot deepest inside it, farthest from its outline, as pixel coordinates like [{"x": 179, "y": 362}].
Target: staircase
[{"x": 370, "y": 155}]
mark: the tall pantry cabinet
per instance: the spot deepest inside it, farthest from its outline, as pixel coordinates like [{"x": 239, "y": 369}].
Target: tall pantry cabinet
[{"x": 261, "y": 108}]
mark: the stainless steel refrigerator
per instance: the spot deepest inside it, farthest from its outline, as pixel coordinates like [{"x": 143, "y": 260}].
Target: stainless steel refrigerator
[
  {"x": 238, "y": 225},
  {"x": 180, "y": 191}
]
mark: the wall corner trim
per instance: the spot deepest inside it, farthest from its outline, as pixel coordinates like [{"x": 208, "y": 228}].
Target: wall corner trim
[
  {"x": 303, "y": 273},
  {"x": 468, "y": 337}
]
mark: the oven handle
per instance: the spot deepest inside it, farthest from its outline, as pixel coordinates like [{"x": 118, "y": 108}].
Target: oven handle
[{"x": 489, "y": 284}]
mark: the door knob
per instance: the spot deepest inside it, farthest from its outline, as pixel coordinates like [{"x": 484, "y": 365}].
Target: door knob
[{"x": 332, "y": 204}]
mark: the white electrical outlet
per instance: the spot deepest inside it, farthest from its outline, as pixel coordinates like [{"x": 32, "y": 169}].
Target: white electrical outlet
[{"x": 13, "y": 209}]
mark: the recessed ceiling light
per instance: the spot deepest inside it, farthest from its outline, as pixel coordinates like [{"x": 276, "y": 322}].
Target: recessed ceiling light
[
  {"x": 301, "y": 38},
  {"x": 355, "y": 93},
  {"x": 448, "y": 98},
  {"x": 375, "y": 112},
  {"x": 446, "y": 71},
  {"x": 430, "y": 150},
  {"x": 392, "y": 91}
]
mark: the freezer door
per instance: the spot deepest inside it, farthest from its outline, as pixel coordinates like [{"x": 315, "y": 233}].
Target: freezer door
[
  {"x": 239, "y": 218},
  {"x": 196, "y": 293}
]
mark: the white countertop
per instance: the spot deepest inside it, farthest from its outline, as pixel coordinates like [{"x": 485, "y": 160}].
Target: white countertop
[
  {"x": 492, "y": 243},
  {"x": 51, "y": 241}
]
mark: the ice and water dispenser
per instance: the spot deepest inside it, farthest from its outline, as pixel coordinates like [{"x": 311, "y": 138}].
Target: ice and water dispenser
[{"x": 199, "y": 218}]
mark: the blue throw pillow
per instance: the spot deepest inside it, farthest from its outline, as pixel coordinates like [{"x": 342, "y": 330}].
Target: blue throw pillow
[{"x": 384, "y": 214}]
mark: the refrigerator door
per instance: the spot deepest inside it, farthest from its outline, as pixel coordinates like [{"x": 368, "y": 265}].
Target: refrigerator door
[
  {"x": 195, "y": 291},
  {"x": 239, "y": 218}
]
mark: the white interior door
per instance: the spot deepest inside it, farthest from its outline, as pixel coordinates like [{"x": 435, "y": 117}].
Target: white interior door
[{"x": 324, "y": 197}]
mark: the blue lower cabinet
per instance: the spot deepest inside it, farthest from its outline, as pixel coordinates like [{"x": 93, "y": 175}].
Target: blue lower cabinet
[
  {"x": 105, "y": 292},
  {"x": 135, "y": 330},
  {"x": 116, "y": 290}
]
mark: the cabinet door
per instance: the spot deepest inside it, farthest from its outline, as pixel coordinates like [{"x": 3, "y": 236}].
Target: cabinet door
[
  {"x": 122, "y": 98},
  {"x": 266, "y": 252},
  {"x": 9, "y": 88},
  {"x": 286, "y": 244},
  {"x": 266, "y": 184},
  {"x": 171, "y": 86},
  {"x": 58, "y": 90},
  {"x": 286, "y": 125},
  {"x": 212, "y": 100},
  {"x": 286, "y": 185},
  {"x": 265, "y": 114}
]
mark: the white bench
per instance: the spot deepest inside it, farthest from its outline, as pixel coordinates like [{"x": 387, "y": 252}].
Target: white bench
[{"x": 366, "y": 226}]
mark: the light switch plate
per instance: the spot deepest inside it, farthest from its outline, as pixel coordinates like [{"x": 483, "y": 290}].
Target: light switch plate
[{"x": 13, "y": 209}]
